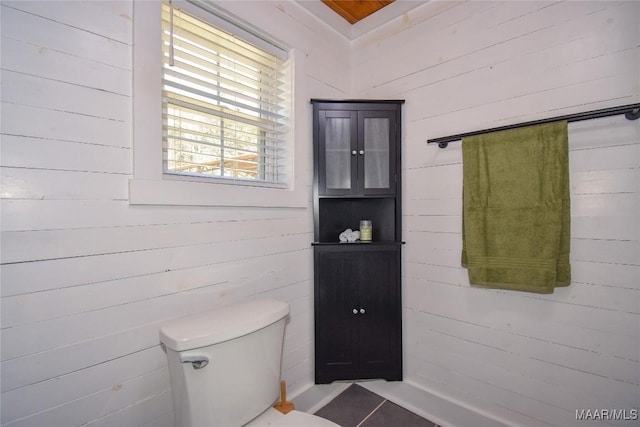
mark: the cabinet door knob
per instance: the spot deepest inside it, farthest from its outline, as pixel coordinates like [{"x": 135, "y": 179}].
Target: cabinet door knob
[
  {"x": 362, "y": 311},
  {"x": 361, "y": 152},
  {"x": 355, "y": 311},
  {"x": 354, "y": 152}
]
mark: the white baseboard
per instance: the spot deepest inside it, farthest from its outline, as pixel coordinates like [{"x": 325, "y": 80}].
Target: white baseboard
[
  {"x": 428, "y": 404},
  {"x": 438, "y": 409},
  {"x": 315, "y": 396}
]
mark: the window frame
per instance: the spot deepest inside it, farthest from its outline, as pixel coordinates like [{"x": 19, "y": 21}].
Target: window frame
[{"x": 150, "y": 185}]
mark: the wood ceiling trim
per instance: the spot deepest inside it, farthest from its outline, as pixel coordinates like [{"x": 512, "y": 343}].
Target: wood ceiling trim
[{"x": 356, "y": 10}]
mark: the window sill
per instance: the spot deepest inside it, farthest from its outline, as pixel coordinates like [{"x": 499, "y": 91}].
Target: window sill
[{"x": 189, "y": 193}]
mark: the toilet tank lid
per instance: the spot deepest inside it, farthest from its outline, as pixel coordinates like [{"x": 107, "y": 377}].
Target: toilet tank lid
[{"x": 221, "y": 324}]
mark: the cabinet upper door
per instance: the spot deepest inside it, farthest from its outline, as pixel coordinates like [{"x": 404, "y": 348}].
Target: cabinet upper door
[
  {"x": 377, "y": 155},
  {"x": 337, "y": 166}
]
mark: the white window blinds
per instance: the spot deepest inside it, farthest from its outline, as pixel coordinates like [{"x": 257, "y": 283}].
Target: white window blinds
[{"x": 222, "y": 103}]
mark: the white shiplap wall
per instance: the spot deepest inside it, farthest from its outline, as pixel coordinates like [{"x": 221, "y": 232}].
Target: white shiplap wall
[
  {"x": 525, "y": 359},
  {"x": 87, "y": 278}
]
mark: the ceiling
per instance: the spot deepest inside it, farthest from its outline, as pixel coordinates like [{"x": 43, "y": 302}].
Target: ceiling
[
  {"x": 374, "y": 15},
  {"x": 356, "y": 10}
]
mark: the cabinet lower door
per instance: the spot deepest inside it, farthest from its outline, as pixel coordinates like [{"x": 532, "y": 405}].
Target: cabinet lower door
[
  {"x": 357, "y": 314},
  {"x": 335, "y": 326},
  {"x": 379, "y": 318}
]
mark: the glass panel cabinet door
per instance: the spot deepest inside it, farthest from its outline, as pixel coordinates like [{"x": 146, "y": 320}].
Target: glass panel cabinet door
[
  {"x": 338, "y": 152},
  {"x": 376, "y": 152},
  {"x": 376, "y": 149},
  {"x": 337, "y": 166}
]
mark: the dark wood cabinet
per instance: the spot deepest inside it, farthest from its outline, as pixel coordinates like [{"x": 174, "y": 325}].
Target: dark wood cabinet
[{"x": 357, "y": 290}]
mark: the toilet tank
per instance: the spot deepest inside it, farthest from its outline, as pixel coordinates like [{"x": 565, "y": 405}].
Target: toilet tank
[{"x": 224, "y": 364}]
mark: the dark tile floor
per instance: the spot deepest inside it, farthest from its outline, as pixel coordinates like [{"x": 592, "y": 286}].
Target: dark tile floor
[{"x": 357, "y": 406}]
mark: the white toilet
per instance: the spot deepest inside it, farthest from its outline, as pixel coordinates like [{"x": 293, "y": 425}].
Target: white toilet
[{"x": 224, "y": 366}]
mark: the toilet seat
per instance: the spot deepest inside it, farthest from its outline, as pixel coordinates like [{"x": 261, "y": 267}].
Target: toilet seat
[{"x": 271, "y": 417}]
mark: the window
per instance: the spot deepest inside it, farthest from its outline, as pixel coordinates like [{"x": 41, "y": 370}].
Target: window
[
  {"x": 222, "y": 96},
  {"x": 215, "y": 128}
]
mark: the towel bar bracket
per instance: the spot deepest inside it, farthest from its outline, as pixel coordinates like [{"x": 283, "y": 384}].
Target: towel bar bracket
[{"x": 633, "y": 114}]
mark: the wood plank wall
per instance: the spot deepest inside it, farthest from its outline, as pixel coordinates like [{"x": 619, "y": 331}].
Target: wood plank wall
[
  {"x": 525, "y": 359},
  {"x": 88, "y": 279}
]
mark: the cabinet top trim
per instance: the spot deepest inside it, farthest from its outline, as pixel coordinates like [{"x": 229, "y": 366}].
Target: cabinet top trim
[{"x": 358, "y": 101}]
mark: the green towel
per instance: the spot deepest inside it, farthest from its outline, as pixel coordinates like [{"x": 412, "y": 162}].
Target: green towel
[{"x": 516, "y": 212}]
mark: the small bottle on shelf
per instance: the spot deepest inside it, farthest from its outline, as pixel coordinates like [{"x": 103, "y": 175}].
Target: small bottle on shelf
[{"x": 366, "y": 230}]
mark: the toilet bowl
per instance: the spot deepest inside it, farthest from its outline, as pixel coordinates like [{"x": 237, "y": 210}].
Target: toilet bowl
[{"x": 224, "y": 367}]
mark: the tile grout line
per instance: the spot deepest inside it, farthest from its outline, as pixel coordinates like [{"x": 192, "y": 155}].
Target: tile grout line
[{"x": 372, "y": 412}]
